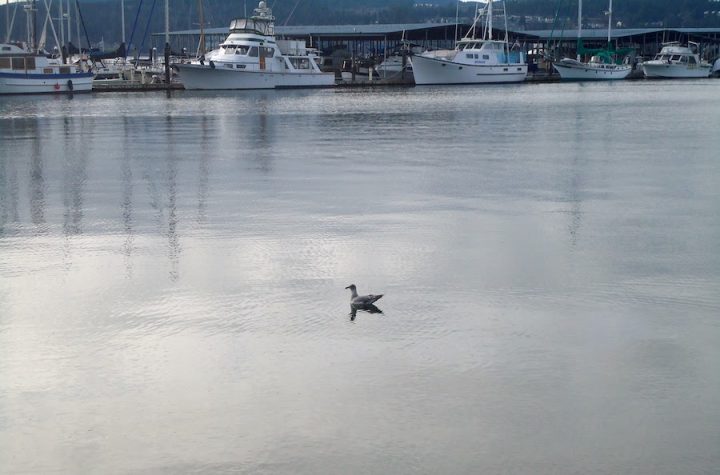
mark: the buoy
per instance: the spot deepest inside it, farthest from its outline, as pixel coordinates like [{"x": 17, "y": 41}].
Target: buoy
[
  {"x": 57, "y": 86},
  {"x": 70, "y": 85}
]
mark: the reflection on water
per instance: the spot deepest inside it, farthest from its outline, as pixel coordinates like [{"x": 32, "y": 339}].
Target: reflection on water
[{"x": 172, "y": 274}]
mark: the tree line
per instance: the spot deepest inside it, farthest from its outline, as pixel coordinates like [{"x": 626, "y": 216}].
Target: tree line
[{"x": 102, "y": 17}]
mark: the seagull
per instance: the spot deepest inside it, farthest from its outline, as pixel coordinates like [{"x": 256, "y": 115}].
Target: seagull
[{"x": 361, "y": 300}]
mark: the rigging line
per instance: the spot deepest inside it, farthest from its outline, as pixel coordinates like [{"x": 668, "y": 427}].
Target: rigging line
[
  {"x": 87, "y": 37},
  {"x": 132, "y": 34},
  {"x": 147, "y": 26},
  {"x": 291, "y": 12}
]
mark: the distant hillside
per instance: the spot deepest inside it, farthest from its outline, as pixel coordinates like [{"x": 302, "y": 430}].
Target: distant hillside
[{"x": 102, "y": 17}]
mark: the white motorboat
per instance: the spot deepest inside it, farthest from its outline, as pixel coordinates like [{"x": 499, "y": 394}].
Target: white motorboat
[
  {"x": 25, "y": 72},
  {"x": 595, "y": 69},
  {"x": 251, "y": 58},
  {"x": 473, "y": 61},
  {"x": 601, "y": 66},
  {"x": 677, "y": 61}
]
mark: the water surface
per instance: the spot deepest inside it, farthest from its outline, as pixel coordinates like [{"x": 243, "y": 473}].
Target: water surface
[{"x": 172, "y": 276}]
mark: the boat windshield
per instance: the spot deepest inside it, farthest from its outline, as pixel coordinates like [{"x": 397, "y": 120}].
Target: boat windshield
[{"x": 249, "y": 25}]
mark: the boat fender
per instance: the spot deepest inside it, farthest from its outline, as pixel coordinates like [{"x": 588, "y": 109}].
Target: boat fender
[
  {"x": 70, "y": 85},
  {"x": 212, "y": 64}
]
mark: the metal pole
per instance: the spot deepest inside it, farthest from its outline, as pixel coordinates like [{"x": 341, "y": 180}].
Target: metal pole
[
  {"x": 167, "y": 21},
  {"x": 579, "y": 35},
  {"x": 122, "y": 18},
  {"x": 7, "y": 21},
  {"x": 609, "y": 23},
  {"x": 62, "y": 26}
]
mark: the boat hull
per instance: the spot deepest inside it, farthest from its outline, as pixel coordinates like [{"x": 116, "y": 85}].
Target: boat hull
[
  {"x": 12, "y": 83},
  {"x": 590, "y": 73},
  {"x": 439, "y": 71},
  {"x": 653, "y": 69},
  {"x": 197, "y": 77}
]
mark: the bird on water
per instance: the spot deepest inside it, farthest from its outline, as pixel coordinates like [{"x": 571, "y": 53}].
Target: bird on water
[{"x": 361, "y": 300}]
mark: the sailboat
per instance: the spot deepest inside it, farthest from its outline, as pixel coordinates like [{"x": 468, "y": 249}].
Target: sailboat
[
  {"x": 28, "y": 70},
  {"x": 601, "y": 65},
  {"x": 474, "y": 60}
]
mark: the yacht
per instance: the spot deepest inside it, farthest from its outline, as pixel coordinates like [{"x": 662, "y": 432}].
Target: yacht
[
  {"x": 474, "y": 60},
  {"x": 27, "y": 72},
  {"x": 677, "y": 61},
  {"x": 252, "y": 58},
  {"x": 601, "y": 66}
]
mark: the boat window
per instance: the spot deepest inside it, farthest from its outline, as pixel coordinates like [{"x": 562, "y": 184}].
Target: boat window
[
  {"x": 253, "y": 52},
  {"x": 486, "y": 56},
  {"x": 675, "y": 57},
  {"x": 229, "y": 66},
  {"x": 4, "y": 63},
  {"x": 47, "y": 70},
  {"x": 241, "y": 50},
  {"x": 240, "y": 66},
  {"x": 64, "y": 70},
  {"x": 6, "y": 48},
  {"x": 461, "y": 46},
  {"x": 684, "y": 59},
  {"x": 267, "y": 52},
  {"x": 229, "y": 49},
  {"x": 300, "y": 63},
  {"x": 18, "y": 63},
  {"x": 470, "y": 55}
]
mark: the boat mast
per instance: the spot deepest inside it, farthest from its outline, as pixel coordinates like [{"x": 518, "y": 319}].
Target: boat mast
[
  {"x": 122, "y": 19},
  {"x": 579, "y": 31},
  {"x": 609, "y": 25},
  {"x": 62, "y": 25},
  {"x": 167, "y": 22},
  {"x": 490, "y": 19},
  {"x": 457, "y": 16},
  {"x": 201, "y": 45}
]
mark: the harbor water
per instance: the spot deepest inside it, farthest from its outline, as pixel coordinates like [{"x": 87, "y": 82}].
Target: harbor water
[{"x": 173, "y": 273}]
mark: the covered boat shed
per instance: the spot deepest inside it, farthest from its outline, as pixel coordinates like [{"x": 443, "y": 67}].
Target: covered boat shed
[{"x": 379, "y": 39}]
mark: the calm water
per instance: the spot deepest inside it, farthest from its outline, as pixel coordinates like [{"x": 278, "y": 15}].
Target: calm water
[{"x": 172, "y": 276}]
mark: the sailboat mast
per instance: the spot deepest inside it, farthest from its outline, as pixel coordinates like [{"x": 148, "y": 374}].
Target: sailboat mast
[
  {"x": 579, "y": 35},
  {"x": 490, "y": 19},
  {"x": 62, "y": 25},
  {"x": 609, "y": 24},
  {"x": 201, "y": 45},
  {"x": 167, "y": 21},
  {"x": 122, "y": 19}
]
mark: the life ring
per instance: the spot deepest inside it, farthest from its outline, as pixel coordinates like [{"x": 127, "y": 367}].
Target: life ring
[{"x": 70, "y": 85}]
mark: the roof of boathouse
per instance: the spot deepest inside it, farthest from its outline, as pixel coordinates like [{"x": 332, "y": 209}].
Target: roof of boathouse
[
  {"x": 377, "y": 29},
  {"x": 395, "y": 29},
  {"x": 599, "y": 33}
]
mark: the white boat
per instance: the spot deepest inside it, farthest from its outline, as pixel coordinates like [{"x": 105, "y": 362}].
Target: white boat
[
  {"x": 595, "y": 69},
  {"x": 251, "y": 58},
  {"x": 24, "y": 72},
  {"x": 677, "y": 61},
  {"x": 600, "y": 67},
  {"x": 473, "y": 61}
]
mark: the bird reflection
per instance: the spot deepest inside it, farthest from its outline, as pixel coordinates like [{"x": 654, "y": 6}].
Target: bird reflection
[{"x": 369, "y": 308}]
